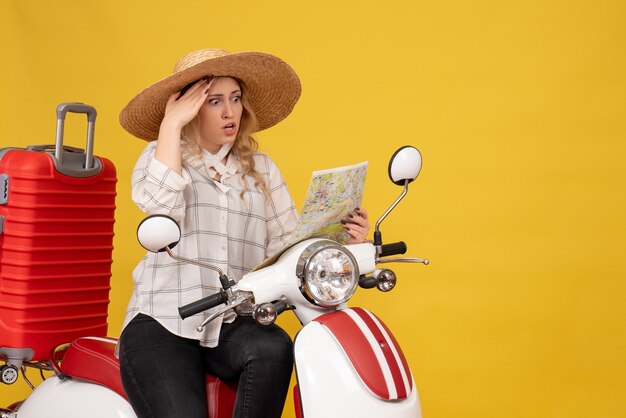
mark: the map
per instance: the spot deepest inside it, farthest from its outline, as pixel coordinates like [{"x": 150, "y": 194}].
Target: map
[{"x": 332, "y": 195}]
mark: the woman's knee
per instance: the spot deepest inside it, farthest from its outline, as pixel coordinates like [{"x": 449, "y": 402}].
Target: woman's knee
[
  {"x": 279, "y": 347},
  {"x": 268, "y": 344}
]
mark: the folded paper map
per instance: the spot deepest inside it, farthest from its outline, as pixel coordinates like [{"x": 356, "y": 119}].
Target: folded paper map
[{"x": 333, "y": 194}]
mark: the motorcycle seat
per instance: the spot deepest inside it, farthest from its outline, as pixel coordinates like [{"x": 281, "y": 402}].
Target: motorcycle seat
[{"x": 93, "y": 359}]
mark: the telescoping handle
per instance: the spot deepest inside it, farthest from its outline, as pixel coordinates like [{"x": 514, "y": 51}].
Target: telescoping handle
[{"x": 75, "y": 107}]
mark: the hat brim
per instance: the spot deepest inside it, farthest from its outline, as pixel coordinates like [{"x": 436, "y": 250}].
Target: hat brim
[{"x": 272, "y": 85}]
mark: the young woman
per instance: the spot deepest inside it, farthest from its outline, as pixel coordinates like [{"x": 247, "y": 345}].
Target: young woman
[{"x": 203, "y": 169}]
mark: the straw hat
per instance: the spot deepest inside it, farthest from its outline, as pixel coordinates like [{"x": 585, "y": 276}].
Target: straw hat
[{"x": 272, "y": 85}]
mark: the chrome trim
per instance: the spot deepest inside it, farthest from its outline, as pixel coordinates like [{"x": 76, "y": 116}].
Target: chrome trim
[
  {"x": 303, "y": 263},
  {"x": 194, "y": 262},
  {"x": 402, "y": 260}
]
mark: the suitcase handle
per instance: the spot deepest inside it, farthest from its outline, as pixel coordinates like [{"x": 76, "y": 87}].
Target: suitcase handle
[
  {"x": 75, "y": 107},
  {"x": 48, "y": 147}
]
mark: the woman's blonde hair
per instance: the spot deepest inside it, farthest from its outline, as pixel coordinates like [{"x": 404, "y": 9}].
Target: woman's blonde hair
[{"x": 244, "y": 147}]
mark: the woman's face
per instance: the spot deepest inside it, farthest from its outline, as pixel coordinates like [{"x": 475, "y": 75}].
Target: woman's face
[{"x": 219, "y": 116}]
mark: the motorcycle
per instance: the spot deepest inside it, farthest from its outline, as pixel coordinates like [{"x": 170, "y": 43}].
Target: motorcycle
[{"x": 346, "y": 359}]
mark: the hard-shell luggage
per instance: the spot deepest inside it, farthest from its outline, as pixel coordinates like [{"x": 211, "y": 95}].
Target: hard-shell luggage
[{"x": 57, "y": 207}]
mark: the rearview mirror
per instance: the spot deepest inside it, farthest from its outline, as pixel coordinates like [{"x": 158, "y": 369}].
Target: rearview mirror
[
  {"x": 157, "y": 232},
  {"x": 405, "y": 164}
]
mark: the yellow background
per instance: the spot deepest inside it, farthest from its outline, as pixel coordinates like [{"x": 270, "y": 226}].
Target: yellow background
[{"x": 518, "y": 110}]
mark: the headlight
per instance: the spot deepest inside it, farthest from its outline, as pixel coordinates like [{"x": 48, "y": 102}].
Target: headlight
[{"x": 328, "y": 273}]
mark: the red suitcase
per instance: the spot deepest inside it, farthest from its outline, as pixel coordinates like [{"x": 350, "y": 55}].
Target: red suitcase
[{"x": 56, "y": 241}]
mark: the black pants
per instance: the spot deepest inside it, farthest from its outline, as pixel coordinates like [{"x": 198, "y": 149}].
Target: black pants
[{"x": 163, "y": 374}]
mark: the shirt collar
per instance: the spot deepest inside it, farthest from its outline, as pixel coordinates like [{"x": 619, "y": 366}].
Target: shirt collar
[{"x": 209, "y": 165}]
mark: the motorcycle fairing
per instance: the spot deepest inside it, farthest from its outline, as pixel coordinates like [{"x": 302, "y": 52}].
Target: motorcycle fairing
[
  {"x": 330, "y": 387},
  {"x": 73, "y": 398},
  {"x": 372, "y": 350}
]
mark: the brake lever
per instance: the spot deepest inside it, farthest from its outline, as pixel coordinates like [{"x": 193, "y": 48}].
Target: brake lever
[
  {"x": 424, "y": 261},
  {"x": 231, "y": 304}
]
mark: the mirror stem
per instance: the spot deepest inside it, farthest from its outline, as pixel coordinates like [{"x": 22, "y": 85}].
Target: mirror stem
[
  {"x": 378, "y": 240},
  {"x": 195, "y": 263}
]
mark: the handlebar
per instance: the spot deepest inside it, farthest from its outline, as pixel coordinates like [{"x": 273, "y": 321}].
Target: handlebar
[
  {"x": 203, "y": 304},
  {"x": 393, "y": 249},
  {"x": 280, "y": 305}
]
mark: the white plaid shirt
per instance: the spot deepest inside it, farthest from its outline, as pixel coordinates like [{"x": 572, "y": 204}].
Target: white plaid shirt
[{"x": 217, "y": 227}]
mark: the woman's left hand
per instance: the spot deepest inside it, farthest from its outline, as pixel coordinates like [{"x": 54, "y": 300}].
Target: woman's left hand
[{"x": 357, "y": 225}]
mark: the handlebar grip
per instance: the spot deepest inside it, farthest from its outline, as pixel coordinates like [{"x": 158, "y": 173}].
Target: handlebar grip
[
  {"x": 202, "y": 304},
  {"x": 393, "y": 249}
]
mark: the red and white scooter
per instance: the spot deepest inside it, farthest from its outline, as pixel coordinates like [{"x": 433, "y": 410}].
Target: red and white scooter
[{"x": 347, "y": 361}]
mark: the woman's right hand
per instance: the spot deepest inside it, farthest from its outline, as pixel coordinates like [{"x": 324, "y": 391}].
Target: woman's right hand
[
  {"x": 179, "y": 111},
  {"x": 182, "y": 108}
]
